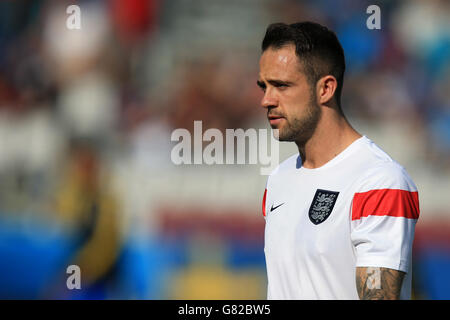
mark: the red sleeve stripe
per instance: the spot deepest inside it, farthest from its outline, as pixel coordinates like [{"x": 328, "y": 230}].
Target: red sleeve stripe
[
  {"x": 264, "y": 203},
  {"x": 386, "y": 202}
]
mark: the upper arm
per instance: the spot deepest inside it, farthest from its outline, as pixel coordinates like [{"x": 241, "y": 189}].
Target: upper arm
[
  {"x": 384, "y": 212},
  {"x": 378, "y": 283}
]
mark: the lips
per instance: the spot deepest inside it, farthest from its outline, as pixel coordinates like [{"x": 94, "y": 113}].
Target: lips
[{"x": 273, "y": 119}]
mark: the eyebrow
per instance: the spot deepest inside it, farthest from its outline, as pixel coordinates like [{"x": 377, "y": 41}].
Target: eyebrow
[{"x": 273, "y": 82}]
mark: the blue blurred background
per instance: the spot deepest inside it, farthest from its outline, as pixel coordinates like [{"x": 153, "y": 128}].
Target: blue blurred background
[{"x": 86, "y": 118}]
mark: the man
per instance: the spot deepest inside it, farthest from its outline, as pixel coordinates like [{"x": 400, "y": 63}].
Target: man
[{"x": 340, "y": 216}]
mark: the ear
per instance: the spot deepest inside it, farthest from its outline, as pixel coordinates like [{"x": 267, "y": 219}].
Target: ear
[{"x": 326, "y": 88}]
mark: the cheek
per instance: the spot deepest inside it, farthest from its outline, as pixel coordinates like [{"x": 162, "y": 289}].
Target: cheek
[
  {"x": 302, "y": 95},
  {"x": 295, "y": 103}
]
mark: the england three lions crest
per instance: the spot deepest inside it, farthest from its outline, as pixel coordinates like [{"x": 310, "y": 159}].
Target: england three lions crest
[{"x": 322, "y": 205}]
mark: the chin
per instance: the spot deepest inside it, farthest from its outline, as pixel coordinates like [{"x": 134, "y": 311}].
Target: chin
[{"x": 278, "y": 135}]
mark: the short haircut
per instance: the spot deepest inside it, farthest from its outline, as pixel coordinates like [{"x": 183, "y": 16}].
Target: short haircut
[{"x": 317, "y": 48}]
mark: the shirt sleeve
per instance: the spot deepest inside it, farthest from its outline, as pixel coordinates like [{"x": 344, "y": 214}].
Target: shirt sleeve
[
  {"x": 264, "y": 203},
  {"x": 385, "y": 209},
  {"x": 265, "y": 199}
]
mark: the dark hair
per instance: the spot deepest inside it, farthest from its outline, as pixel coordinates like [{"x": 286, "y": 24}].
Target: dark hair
[{"x": 317, "y": 48}]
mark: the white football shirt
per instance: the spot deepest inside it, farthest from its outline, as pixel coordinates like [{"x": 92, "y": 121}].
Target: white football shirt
[{"x": 357, "y": 210}]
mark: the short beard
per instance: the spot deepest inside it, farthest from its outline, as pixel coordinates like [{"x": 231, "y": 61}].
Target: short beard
[{"x": 301, "y": 130}]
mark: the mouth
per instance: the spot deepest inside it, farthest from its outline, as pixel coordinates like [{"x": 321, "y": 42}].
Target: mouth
[{"x": 274, "y": 120}]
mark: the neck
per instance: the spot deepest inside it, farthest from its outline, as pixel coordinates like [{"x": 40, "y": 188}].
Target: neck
[{"x": 333, "y": 135}]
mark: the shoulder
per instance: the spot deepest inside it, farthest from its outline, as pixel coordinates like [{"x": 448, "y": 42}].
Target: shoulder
[
  {"x": 381, "y": 171},
  {"x": 286, "y": 166},
  {"x": 386, "y": 174},
  {"x": 385, "y": 189}
]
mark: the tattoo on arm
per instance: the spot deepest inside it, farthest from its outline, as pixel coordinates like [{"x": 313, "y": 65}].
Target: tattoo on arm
[{"x": 374, "y": 283}]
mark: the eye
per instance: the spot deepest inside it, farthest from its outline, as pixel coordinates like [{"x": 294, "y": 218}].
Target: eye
[
  {"x": 281, "y": 86},
  {"x": 261, "y": 85}
]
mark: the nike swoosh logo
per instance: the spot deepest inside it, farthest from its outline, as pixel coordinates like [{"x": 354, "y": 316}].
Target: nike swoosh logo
[{"x": 273, "y": 208}]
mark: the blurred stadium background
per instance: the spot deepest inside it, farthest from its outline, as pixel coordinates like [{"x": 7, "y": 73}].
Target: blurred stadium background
[{"x": 85, "y": 123}]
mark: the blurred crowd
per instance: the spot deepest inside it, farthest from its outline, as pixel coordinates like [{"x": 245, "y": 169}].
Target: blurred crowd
[{"x": 80, "y": 110}]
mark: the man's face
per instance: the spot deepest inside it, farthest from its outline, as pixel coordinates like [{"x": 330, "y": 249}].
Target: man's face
[{"x": 288, "y": 98}]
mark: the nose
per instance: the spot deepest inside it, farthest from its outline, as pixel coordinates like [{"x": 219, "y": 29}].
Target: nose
[{"x": 269, "y": 100}]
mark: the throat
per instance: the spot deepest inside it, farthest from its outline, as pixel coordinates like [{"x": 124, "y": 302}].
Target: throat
[{"x": 320, "y": 149}]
